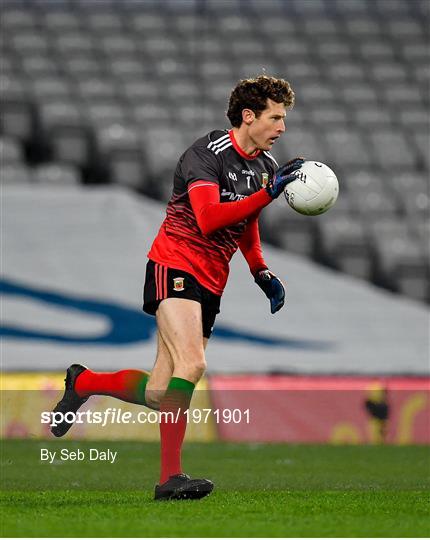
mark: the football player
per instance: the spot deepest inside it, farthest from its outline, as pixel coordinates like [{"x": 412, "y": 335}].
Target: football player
[{"x": 221, "y": 184}]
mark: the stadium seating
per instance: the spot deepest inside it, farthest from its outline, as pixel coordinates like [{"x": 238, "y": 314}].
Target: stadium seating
[{"x": 114, "y": 91}]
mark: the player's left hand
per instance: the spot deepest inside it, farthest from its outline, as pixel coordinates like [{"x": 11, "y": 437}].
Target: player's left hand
[{"x": 272, "y": 288}]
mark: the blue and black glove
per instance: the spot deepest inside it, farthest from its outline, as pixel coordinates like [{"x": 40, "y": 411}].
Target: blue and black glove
[
  {"x": 283, "y": 176},
  {"x": 272, "y": 288}
]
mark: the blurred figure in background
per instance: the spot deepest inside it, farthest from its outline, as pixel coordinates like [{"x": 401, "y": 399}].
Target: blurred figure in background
[{"x": 378, "y": 409}]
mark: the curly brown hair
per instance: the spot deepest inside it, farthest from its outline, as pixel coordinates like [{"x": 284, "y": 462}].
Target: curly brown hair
[{"x": 254, "y": 93}]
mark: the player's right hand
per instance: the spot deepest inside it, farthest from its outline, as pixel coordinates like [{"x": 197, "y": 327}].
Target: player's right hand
[{"x": 283, "y": 176}]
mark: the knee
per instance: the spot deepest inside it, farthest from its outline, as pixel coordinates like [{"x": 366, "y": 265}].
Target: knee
[
  {"x": 153, "y": 398},
  {"x": 196, "y": 367},
  {"x": 190, "y": 366}
]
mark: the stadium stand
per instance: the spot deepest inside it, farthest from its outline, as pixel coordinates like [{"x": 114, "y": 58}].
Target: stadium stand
[
  {"x": 74, "y": 261},
  {"x": 113, "y": 91}
]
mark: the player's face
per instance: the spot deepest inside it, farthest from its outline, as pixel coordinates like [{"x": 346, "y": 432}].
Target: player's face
[{"x": 269, "y": 126}]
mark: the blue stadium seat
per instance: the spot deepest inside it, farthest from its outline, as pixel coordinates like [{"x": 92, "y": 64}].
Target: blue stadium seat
[
  {"x": 389, "y": 8},
  {"x": 148, "y": 114},
  {"x": 148, "y": 23},
  {"x": 352, "y": 8},
  {"x": 383, "y": 71},
  {"x": 344, "y": 245},
  {"x": 159, "y": 47},
  {"x": 212, "y": 70},
  {"x": 422, "y": 76},
  {"x": 417, "y": 203},
  {"x": 145, "y": 91},
  {"x": 223, "y": 6},
  {"x": 95, "y": 89},
  {"x": 392, "y": 150},
  {"x": 80, "y": 66},
  {"x": 186, "y": 24},
  {"x": 372, "y": 117},
  {"x": 101, "y": 6},
  {"x": 39, "y": 66},
  {"x": 255, "y": 67},
  {"x": 279, "y": 218},
  {"x": 376, "y": 49},
  {"x": 304, "y": 142},
  {"x": 17, "y": 19},
  {"x": 107, "y": 112},
  {"x": 310, "y": 9},
  {"x": 414, "y": 51},
  {"x": 400, "y": 262},
  {"x": 277, "y": 28},
  {"x": 51, "y": 88},
  {"x": 24, "y": 42},
  {"x": 56, "y": 174},
  {"x": 64, "y": 129},
  {"x": 248, "y": 48},
  {"x": 162, "y": 147},
  {"x": 414, "y": 118},
  {"x": 62, "y": 21},
  {"x": 301, "y": 71},
  {"x": 266, "y": 8},
  {"x": 10, "y": 151},
  {"x": 16, "y": 110},
  {"x": 118, "y": 46},
  {"x": 135, "y": 7},
  {"x": 404, "y": 29},
  {"x": 347, "y": 72},
  {"x": 321, "y": 28},
  {"x": 334, "y": 50},
  {"x": 107, "y": 23},
  {"x": 375, "y": 201},
  {"x": 363, "y": 180},
  {"x": 10, "y": 64},
  {"x": 347, "y": 147},
  {"x": 316, "y": 94},
  {"x": 362, "y": 28},
  {"x": 355, "y": 95},
  {"x": 421, "y": 140},
  {"x": 126, "y": 69},
  {"x": 403, "y": 95},
  {"x": 171, "y": 69},
  {"x": 120, "y": 147},
  {"x": 16, "y": 174},
  {"x": 73, "y": 43},
  {"x": 236, "y": 26},
  {"x": 328, "y": 116},
  {"x": 181, "y": 6}
]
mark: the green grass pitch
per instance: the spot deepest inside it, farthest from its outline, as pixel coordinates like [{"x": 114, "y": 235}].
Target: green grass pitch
[{"x": 261, "y": 490}]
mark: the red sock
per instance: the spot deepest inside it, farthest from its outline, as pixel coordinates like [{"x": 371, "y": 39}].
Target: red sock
[
  {"x": 172, "y": 427},
  {"x": 128, "y": 384}
]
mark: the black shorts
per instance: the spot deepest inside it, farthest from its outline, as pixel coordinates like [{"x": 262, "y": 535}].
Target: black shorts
[{"x": 163, "y": 282}]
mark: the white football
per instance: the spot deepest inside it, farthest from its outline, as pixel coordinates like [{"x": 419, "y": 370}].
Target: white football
[{"x": 315, "y": 189}]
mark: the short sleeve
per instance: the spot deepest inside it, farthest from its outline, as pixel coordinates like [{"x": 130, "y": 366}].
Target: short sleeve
[{"x": 200, "y": 163}]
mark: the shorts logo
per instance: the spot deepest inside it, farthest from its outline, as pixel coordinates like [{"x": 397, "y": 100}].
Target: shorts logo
[
  {"x": 265, "y": 179},
  {"x": 178, "y": 284}
]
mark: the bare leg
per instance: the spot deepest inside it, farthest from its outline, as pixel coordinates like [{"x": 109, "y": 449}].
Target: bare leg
[
  {"x": 162, "y": 371},
  {"x": 179, "y": 322},
  {"x": 160, "y": 375}
]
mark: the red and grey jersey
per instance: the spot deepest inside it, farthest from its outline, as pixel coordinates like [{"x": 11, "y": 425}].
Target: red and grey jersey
[{"x": 213, "y": 159}]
